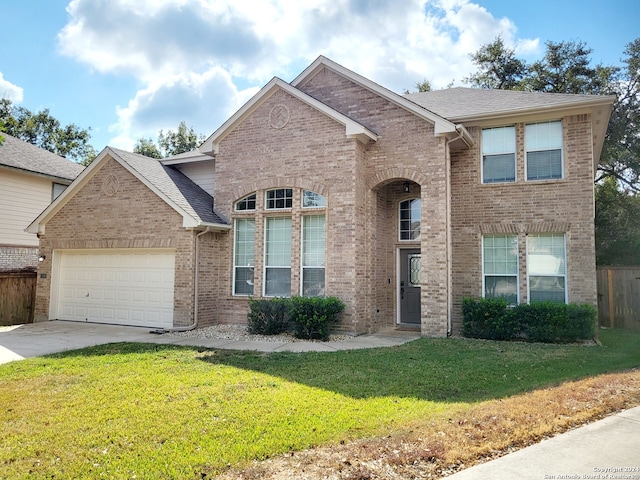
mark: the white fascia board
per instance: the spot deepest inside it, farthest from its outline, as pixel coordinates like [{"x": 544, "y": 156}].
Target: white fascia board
[
  {"x": 442, "y": 126},
  {"x": 352, "y": 128}
]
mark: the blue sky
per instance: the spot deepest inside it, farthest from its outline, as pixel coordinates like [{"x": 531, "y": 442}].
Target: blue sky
[{"x": 128, "y": 68}]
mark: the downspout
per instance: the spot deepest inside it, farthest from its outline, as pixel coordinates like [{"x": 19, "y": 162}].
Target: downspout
[
  {"x": 465, "y": 137},
  {"x": 195, "y": 291}
]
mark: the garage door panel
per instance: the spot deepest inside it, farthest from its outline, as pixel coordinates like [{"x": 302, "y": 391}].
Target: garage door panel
[{"x": 127, "y": 288}]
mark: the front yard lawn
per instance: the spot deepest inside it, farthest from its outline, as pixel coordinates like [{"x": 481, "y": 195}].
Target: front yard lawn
[{"x": 163, "y": 412}]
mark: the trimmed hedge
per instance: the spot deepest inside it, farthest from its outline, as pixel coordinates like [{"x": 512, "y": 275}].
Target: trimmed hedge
[
  {"x": 493, "y": 319},
  {"x": 307, "y": 317},
  {"x": 268, "y": 317}
]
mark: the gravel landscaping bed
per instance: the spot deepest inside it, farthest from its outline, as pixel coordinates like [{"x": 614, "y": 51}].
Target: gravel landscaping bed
[{"x": 239, "y": 332}]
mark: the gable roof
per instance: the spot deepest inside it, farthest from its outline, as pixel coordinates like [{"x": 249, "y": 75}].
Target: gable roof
[
  {"x": 23, "y": 156},
  {"x": 188, "y": 199},
  {"x": 442, "y": 125},
  {"x": 467, "y": 105},
  {"x": 353, "y": 129}
]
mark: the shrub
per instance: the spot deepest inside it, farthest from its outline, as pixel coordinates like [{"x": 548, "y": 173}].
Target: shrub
[
  {"x": 488, "y": 318},
  {"x": 268, "y": 317},
  {"x": 493, "y": 319},
  {"x": 557, "y": 323},
  {"x": 312, "y": 316}
]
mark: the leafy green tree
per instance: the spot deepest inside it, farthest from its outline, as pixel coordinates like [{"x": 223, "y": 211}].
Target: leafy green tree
[
  {"x": 170, "y": 143},
  {"x": 617, "y": 225},
  {"x": 498, "y": 67},
  {"x": 45, "y": 131},
  {"x": 621, "y": 153},
  {"x": 146, "y": 147},
  {"x": 565, "y": 68}
]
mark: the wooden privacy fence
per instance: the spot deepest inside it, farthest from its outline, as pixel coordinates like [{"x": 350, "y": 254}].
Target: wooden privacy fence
[
  {"x": 17, "y": 297},
  {"x": 619, "y": 297}
]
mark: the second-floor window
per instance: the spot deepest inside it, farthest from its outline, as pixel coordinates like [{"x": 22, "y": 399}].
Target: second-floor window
[
  {"x": 499, "y": 154},
  {"x": 543, "y": 146}
]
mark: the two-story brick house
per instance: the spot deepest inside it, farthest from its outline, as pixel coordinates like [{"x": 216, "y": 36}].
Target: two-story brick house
[{"x": 334, "y": 185}]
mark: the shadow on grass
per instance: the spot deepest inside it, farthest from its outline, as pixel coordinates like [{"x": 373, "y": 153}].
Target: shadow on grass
[{"x": 442, "y": 370}]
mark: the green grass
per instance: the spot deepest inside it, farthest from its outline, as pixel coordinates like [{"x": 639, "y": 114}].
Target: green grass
[{"x": 154, "y": 411}]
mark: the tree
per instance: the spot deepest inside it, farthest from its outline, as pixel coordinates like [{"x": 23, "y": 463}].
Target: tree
[
  {"x": 621, "y": 153},
  {"x": 565, "y": 68},
  {"x": 146, "y": 147},
  {"x": 45, "y": 131},
  {"x": 617, "y": 225},
  {"x": 498, "y": 67},
  {"x": 171, "y": 143}
]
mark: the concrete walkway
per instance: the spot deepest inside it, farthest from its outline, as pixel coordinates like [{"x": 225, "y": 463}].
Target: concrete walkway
[
  {"x": 36, "y": 339},
  {"x": 605, "y": 450}
]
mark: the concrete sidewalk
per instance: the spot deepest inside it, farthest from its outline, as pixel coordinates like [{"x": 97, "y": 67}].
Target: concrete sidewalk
[
  {"x": 36, "y": 339},
  {"x": 608, "y": 449}
]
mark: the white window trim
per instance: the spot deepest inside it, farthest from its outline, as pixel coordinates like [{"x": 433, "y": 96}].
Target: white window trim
[
  {"x": 314, "y": 207},
  {"x": 526, "y": 156},
  {"x": 399, "y": 226},
  {"x": 235, "y": 206},
  {"x": 275, "y": 209},
  {"x": 566, "y": 271},
  {"x": 264, "y": 255},
  {"x": 233, "y": 279},
  {"x": 515, "y": 156},
  {"x": 517, "y": 274},
  {"x": 302, "y": 265}
]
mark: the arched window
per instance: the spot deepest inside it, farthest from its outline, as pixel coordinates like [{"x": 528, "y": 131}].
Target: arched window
[
  {"x": 247, "y": 203},
  {"x": 282, "y": 219}
]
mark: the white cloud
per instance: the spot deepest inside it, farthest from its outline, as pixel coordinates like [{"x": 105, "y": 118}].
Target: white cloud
[
  {"x": 202, "y": 101},
  {"x": 10, "y": 91},
  {"x": 197, "y": 60}
]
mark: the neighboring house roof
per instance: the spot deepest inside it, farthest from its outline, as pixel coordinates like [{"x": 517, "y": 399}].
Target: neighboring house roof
[
  {"x": 20, "y": 155},
  {"x": 353, "y": 129},
  {"x": 178, "y": 191}
]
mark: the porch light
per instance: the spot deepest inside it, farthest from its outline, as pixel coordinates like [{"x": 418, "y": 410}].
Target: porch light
[
  {"x": 405, "y": 187},
  {"x": 42, "y": 258}
]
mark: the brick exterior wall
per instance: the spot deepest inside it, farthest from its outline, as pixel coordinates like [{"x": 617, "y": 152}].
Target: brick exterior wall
[
  {"x": 363, "y": 186},
  {"x": 14, "y": 258},
  {"x": 135, "y": 217},
  {"x": 521, "y": 208}
]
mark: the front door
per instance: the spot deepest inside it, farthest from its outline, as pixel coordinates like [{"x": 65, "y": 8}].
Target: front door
[{"x": 409, "y": 286}]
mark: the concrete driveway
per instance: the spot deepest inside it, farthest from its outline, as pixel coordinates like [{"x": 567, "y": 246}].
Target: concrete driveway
[
  {"x": 35, "y": 339},
  {"x": 32, "y": 340}
]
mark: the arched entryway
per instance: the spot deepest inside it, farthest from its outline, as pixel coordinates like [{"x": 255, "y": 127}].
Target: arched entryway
[{"x": 397, "y": 252}]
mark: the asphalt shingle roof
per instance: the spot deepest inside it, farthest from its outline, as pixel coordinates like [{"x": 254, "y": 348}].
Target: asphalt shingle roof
[
  {"x": 21, "y": 155},
  {"x": 179, "y": 188},
  {"x": 458, "y": 104}
]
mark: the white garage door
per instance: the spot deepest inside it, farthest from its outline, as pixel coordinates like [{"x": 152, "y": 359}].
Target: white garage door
[{"x": 123, "y": 287}]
